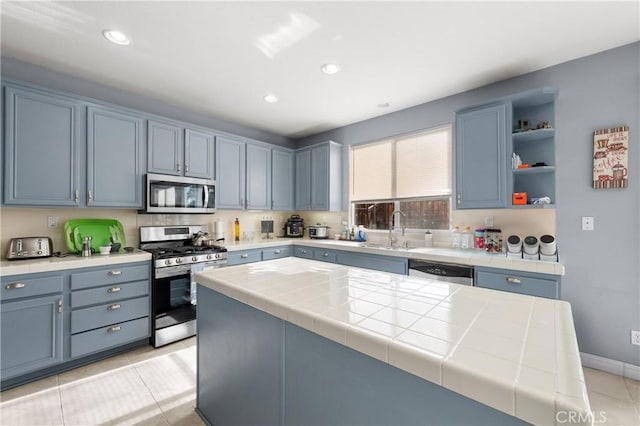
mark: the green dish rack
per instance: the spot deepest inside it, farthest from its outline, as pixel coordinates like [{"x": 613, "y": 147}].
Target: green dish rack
[{"x": 102, "y": 231}]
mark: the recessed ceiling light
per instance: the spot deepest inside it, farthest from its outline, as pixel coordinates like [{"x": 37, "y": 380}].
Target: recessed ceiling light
[
  {"x": 116, "y": 37},
  {"x": 330, "y": 69},
  {"x": 271, "y": 99}
]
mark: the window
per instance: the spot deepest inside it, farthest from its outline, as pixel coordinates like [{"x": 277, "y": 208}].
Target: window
[{"x": 411, "y": 174}]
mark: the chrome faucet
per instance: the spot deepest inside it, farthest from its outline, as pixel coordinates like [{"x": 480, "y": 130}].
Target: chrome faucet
[{"x": 392, "y": 240}]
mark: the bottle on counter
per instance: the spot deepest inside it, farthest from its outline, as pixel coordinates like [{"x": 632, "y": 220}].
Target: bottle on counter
[
  {"x": 236, "y": 230},
  {"x": 361, "y": 234},
  {"x": 455, "y": 237},
  {"x": 428, "y": 239},
  {"x": 466, "y": 239},
  {"x": 352, "y": 236},
  {"x": 478, "y": 241}
]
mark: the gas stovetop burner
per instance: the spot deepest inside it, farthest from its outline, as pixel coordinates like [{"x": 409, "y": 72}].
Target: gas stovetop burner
[{"x": 169, "y": 252}]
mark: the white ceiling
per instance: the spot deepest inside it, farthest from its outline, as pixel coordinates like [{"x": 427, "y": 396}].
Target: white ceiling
[{"x": 210, "y": 57}]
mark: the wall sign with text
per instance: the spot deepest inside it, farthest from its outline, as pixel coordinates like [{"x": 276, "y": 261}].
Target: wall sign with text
[{"x": 610, "y": 157}]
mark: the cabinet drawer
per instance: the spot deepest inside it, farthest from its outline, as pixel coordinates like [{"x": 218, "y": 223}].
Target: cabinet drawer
[
  {"x": 111, "y": 313},
  {"x": 240, "y": 257},
  {"x": 110, "y": 293},
  {"x": 276, "y": 253},
  {"x": 113, "y": 275},
  {"x": 14, "y": 287},
  {"x": 108, "y": 337},
  {"x": 324, "y": 255},
  {"x": 305, "y": 252},
  {"x": 518, "y": 283},
  {"x": 369, "y": 261}
]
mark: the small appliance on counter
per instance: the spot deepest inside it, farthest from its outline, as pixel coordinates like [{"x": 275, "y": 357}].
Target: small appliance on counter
[
  {"x": 294, "y": 227},
  {"x": 29, "y": 248},
  {"x": 266, "y": 227},
  {"x": 319, "y": 231}
]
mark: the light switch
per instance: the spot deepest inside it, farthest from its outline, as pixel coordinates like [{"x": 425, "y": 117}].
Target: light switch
[{"x": 587, "y": 223}]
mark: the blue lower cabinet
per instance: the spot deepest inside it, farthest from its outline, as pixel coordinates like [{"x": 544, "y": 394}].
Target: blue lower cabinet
[
  {"x": 324, "y": 255},
  {"x": 396, "y": 265},
  {"x": 242, "y": 257},
  {"x": 276, "y": 253},
  {"x": 32, "y": 335},
  {"x": 304, "y": 252},
  {"x": 108, "y": 337},
  {"x": 111, "y": 313},
  {"x": 530, "y": 283}
]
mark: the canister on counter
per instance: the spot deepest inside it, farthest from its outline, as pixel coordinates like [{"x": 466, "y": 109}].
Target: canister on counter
[
  {"x": 493, "y": 240},
  {"x": 478, "y": 240}
]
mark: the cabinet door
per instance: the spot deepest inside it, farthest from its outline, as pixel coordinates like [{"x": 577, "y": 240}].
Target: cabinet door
[
  {"x": 282, "y": 180},
  {"x": 198, "y": 154},
  {"x": 533, "y": 284},
  {"x": 481, "y": 157},
  {"x": 114, "y": 177},
  {"x": 258, "y": 178},
  {"x": 303, "y": 180},
  {"x": 320, "y": 178},
  {"x": 31, "y": 335},
  {"x": 42, "y": 137},
  {"x": 165, "y": 148},
  {"x": 230, "y": 169}
]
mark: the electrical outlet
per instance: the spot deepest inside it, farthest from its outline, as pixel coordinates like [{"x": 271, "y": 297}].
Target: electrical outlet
[
  {"x": 52, "y": 221},
  {"x": 587, "y": 223},
  {"x": 635, "y": 337},
  {"x": 488, "y": 221}
]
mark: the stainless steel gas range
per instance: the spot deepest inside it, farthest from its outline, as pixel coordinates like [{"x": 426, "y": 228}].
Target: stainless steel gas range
[{"x": 173, "y": 294}]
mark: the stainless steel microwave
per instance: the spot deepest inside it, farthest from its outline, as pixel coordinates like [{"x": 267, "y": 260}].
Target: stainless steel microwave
[{"x": 177, "y": 194}]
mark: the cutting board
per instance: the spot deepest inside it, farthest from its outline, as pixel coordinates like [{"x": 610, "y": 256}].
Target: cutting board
[{"x": 101, "y": 231}]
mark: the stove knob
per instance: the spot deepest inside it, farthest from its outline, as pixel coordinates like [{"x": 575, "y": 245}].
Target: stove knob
[
  {"x": 167, "y": 262},
  {"x": 178, "y": 260},
  {"x": 208, "y": 257},
  {"x": 194, "y": 258}
]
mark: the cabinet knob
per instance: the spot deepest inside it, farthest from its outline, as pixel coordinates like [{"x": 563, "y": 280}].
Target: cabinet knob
[
  {"x": 277, "y": 251},
  {"x": 114, "y": 273},
  {"x": 178, "y": 167},
  {"x": 14, "y": 286},
  {"x": 114, "y": 329},
  {"x": 113, "y": 307},
  {"x": 60, "y": 306},
  {"x": 244, "y": 255},
  {"x": 113, "y": 290},
  {"x": 186, "y": 168},
  {"x": 513, "y": 280},
  {"x": 303, "y": 251},
  {"x": 325, "y": 254},
  {"x": 76, "y": 195},
  {"x": 90, "y": 196}
]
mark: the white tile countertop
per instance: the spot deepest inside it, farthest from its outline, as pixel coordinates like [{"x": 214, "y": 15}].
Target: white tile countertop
[
  {"x": 473, "y": 257},
  {"x": 515, "y": 353},
  {"x": 48, "y": 264}
]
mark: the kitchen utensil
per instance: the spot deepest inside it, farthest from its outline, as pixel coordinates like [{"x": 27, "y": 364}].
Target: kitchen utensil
[
  {"x": 105, "y": 250},
  {"x": 548, "y": 245},
  {"x": 86, "y": 246},
  {"x": 29, "y": 248},
  {"x": 530, "y": 245},
  {"x": 514, "y": 244},
  {"x": 102, "y": 232},
  {"x": 319, "y": 231}
]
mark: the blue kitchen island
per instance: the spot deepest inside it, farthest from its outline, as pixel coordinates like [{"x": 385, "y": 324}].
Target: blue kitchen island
[{"x": 294, "y": 341}]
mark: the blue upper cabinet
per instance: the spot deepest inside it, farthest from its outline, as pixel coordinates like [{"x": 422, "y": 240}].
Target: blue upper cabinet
[
  {"x": 174, "y": 150},
  {"x": 230, "y": 170},
  {"x": 481, "y": 137},
  {"x": 114, "y": 177},
  {"x": 319, "y": 177},
  {"x": 199, "y": 151},
  {"x": 42, "y": 140},
  {"x": 282, "y": 179},
  {"x": 258, "y": 168},
  {"x": 165, "y": 148}
]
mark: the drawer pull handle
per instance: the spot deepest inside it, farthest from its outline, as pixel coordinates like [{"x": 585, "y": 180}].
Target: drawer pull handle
[
  {"x": 277, "y": 252},
  {"x": 304, "y": 252},
  {"x": 113, "y": 329},
  {"x": 244, "y": 255},
  {"x": 325, "y": 254},
  {"x": 113, "y": 307},
  {"x": 512, "y": 280},
  {"x": 113, "y": 290},
  {"x": 114, "y": 273},
  {"x": 14, "y": 285}
]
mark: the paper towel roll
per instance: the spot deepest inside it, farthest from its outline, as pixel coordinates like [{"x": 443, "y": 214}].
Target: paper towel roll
[{"x": 218, "y": 230}]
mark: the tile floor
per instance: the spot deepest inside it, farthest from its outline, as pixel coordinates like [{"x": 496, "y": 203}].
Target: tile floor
[{"x": 157, "y": 387}]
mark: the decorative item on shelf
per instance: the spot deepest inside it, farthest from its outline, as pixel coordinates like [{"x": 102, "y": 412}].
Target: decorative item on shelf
[
  {"x": 610, "y": 157},
  {"x": 523, "y": 166},
  {"x": 544, "y": 125},
  {"x": 523, "y": 126},
  {"x": 540, "y": 164},
  {"x": 541, "y": 200},
  {"x": 515, "y": 161},
  {"x": 519, "y": 198}
]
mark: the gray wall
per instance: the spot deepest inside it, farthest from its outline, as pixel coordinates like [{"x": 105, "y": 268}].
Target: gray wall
[
  {"x": 29, "y": 73},
  {"x": 602, "y": 280}
]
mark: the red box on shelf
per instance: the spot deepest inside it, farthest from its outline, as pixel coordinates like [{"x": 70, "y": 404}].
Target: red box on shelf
[{"x": 519, "y": 198}]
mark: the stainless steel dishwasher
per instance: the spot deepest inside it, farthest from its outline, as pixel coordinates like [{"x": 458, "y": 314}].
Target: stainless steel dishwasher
[{"x": 449, "y": 272}]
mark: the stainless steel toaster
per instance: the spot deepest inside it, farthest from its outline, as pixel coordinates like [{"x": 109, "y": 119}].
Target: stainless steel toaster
[{"x": 29, "y": 248}]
